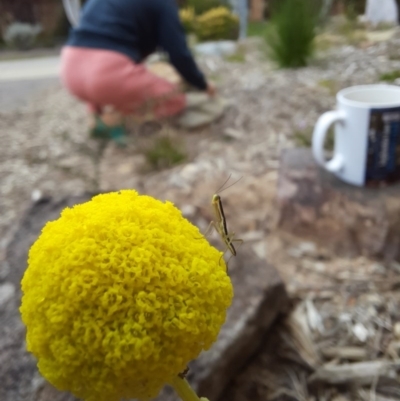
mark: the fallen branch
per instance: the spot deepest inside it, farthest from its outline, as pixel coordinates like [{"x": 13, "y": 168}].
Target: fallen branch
[
  {"x": 363, "y": 373},
  {"x": 350, "y": 353}
]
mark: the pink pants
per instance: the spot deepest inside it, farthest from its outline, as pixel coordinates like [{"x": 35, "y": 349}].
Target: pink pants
[{"x": 103, "y": 77}]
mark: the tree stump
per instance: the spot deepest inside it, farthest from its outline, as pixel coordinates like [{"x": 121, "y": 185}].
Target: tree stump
[{"x": 348, "y": 220}]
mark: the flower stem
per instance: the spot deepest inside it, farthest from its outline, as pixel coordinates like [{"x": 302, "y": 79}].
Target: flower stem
[{"x": 182, "y": 387}]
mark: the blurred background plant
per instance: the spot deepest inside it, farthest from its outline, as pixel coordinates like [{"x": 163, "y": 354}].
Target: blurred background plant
[
  {"x": 391, "y": 76},
  {"x": 21, "y": 36},
  {"x": 165, "y": 153},
  {"x": 188, "y": 19},
  {"x": 292, "y": 33},
  {"x": 354, "y": 8},
  {"x": 350, "y": 10},
  {"x": 217, "y": 23},
  {"x": 202, "y": 6}
]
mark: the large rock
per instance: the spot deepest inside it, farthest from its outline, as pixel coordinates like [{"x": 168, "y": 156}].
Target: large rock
[
  {"x": 259, "y": 297},
  {"x": 201, "y": 110},
  {"x": 166, "y": 71},
  {"x": 349, "y": 220}
]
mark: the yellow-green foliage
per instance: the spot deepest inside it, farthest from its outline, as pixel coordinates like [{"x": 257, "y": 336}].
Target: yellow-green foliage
[
  {"x": 218, "y": 23},
  {"x": 188, "y": 19},
  {"x": 215, "y": 24},
  {"x": 201, "y": 6}
]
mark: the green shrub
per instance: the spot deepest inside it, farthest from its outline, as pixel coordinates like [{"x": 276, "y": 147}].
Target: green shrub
[
  {"x": 202, "y": 6},
  {"x": 21, "y": 36},
  {"x": 291, "y": 37},
  {"x": 216, "y": 24},
  {"x": 188, "y": 19}
]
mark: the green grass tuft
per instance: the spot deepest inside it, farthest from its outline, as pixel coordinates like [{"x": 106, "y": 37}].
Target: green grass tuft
[
  {"x": 292, "y": 34},
  {"x": 257, "y": 28},
  {"x": 304, "y": 138},
  {"x": 238, "y": 57},
  {"x": 331, "y": 85},
  {"x": 390, "y": 76},
  {"x": 164, "y": 154}
]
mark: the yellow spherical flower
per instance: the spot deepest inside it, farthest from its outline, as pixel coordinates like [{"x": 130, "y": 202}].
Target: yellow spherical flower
[{"x": 119, "y": 295}]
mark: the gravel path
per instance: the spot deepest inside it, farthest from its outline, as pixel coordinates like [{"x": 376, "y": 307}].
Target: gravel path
[
  {"x": 15, "y": 94},
  {"x": 45, "y": 145}
]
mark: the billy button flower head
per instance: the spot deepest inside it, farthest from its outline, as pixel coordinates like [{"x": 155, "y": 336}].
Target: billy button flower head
[{"x": 119, "y": 295}]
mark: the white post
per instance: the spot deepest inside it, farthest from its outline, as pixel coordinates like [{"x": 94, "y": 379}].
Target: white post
[
  {"x": 326, "y": 9},
  {"x": 240, "y": 7},
  {"x": 381, "y": 11}
]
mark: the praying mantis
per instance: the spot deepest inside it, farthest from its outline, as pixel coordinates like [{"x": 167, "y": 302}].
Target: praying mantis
[{"x": 220, "y": 224}]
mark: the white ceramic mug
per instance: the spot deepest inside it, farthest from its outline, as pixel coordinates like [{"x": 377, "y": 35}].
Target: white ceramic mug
[{"x": 367, "y": 135}]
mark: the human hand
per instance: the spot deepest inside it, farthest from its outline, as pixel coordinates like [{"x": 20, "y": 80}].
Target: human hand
[{"x": 211, "y": 90}]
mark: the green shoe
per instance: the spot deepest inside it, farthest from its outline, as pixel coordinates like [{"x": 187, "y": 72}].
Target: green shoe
[
  {"x": 103, "y": 131},
  {"x": 118, "y": 135},
  {"x": 100, "y": 130}
]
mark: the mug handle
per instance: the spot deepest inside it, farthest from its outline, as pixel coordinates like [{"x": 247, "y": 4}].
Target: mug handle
[{"x": 321, "y": 128}]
